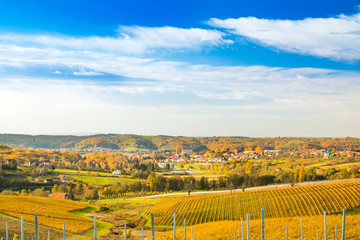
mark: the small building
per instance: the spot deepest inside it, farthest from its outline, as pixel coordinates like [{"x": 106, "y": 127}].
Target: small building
[
  {"x": 163, "y": 165},
  {"x": 62, "y": 177},
  {"x": 327, "y": 154},
  {"x": 116, "y": 172},
  {"x": 48, "y": 180},
  {"x": 59, "y": 195},
  {"x": 46, "y": 162},
  {"x": 187, "y": 151}
]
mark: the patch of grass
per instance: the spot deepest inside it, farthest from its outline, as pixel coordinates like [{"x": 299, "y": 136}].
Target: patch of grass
[
  {"x": 343, "y": 165},
  {"x": 95, "y": 178},
  {"x": 98, "y": 180},
  {"x": 72, "y": 171},
  {"x": 14, "y": 174},
  {"x": 101, "y": 226},
  {"x": 353, "y": 211},
  {"x": 131, "y": 210},
  {"x": 87, "y": 210}
]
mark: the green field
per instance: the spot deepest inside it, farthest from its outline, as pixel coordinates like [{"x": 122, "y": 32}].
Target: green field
[
  {"x": 95, "y": 178},
  {"x": 72, "y": 171}
]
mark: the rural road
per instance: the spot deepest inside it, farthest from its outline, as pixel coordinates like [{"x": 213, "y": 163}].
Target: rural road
[{"x": 252, "y": 188}]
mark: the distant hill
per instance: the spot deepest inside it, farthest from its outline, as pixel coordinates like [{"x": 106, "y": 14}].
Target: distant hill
[
  {"x": 138, "y": 142},
  {"x": 40, "y": 141}
]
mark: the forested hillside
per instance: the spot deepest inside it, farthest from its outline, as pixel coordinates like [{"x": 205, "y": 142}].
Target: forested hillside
[{"x": 138, "y": 142}]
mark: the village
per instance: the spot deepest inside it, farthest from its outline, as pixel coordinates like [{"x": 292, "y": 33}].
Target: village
[{"x": 188, "y": 156}]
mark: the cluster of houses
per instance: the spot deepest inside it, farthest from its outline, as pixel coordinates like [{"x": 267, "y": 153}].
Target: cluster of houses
[
  {"x": 326, "y": 153},
  {"x": 190, "y": 157}
]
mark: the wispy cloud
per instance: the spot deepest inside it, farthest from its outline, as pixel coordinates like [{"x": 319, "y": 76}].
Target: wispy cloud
[
  {"x": 130, "y": 40},
  {"x": 180, "y": 96},
  {"x": 105, "y": 73},
  {"x": 83, "y": 72},
  {"x": 336, "y": 38},
  {"x": 62, "y": 81}
]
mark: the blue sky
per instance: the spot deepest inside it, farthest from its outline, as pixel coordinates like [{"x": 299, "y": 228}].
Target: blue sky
[{"x": 195, "y": 68}]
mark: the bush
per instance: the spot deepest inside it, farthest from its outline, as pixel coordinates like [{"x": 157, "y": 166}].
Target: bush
[{"x": 103, "y": 209}]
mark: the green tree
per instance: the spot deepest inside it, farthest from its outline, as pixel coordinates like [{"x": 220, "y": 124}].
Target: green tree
[
  {"x": 204, "y": 183},
  {"x": 152, "y": 181},
  {"x": 167, "y": 167},
  {"x": 80, "y": 189},
  {"x": 55, "y": 188},
  {"x": 13, "y": 164},
  {"x": 94, "y": 194},
  {"x": 71, "y": 191}
]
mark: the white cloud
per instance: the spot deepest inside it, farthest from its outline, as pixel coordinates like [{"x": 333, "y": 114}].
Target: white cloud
[
  {"x": 131, "y": 40},
  {"x": 85, "y": 72},
  {"x": 232, "y": 95},
  {"x": 172, "y": 37},
  {"x": 204, "y": 81},
  {"x": 185, "y": 99},
  {"x": 136, "y": 94},
  {"x": 336, "y": 38}
]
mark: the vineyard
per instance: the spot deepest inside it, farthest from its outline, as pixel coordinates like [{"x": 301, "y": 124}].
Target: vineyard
[
  {"x": 52, "y": 212},
  {"x": 278, "y": 203},
  {"x": 312, "y": 226}
]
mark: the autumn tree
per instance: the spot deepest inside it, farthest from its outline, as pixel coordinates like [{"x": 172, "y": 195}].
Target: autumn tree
[
  {"x": 259, "y": 149},
  {"x": 302, "y": 174},
  {"x": 296, "y": 174},
  {"x": 55, "y": 188}
]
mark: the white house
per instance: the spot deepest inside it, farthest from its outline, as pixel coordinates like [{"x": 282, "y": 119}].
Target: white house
[
  {"x": 187, "y": 151},
  {"x": 116, "y": 172}
]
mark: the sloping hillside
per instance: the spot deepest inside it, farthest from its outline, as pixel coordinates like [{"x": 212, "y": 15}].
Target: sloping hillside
[{"x": 134, "y": 142}]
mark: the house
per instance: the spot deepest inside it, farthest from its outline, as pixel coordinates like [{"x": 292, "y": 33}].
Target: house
[
  {"x": 30, "y": 163},
  {"x": 63, "y": 179},
  {"x": 46, "y": 162},
  {"x": 327, "y": 154},
  {"x": 116, "y": 172},
  {"x": 48, "y": 180},
  {"x": 187, "y": 151},
  {"x": 59, "y": 195},
  {"x": 163, "y": 165},
  {"x": 52, "y": 180}
]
